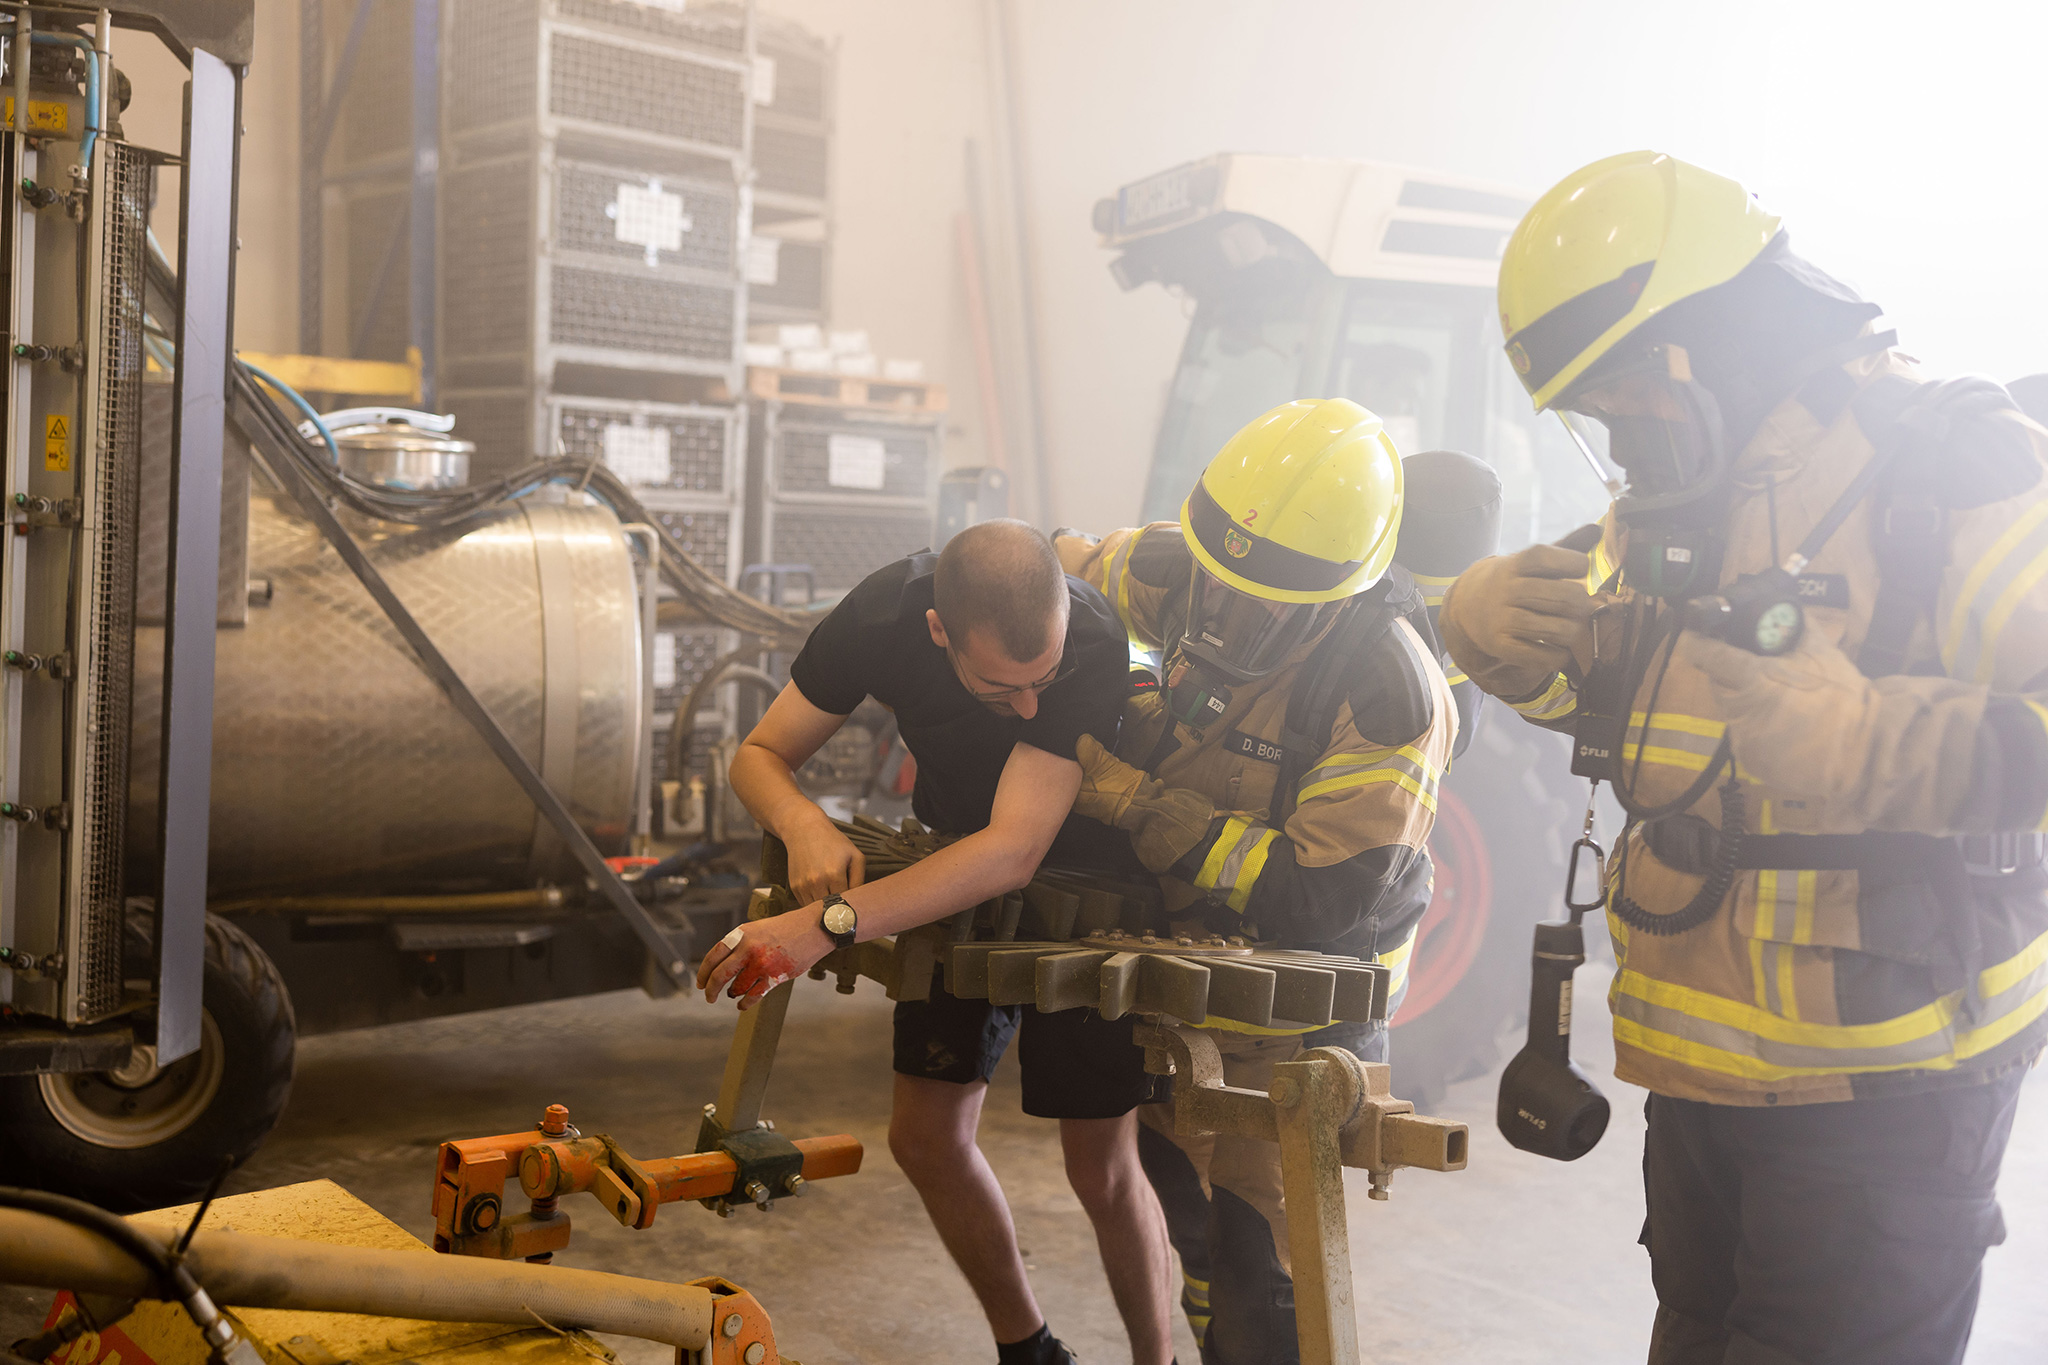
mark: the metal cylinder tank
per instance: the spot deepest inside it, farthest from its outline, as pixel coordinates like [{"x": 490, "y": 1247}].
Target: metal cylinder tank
[{"x": 339, "y": 766}]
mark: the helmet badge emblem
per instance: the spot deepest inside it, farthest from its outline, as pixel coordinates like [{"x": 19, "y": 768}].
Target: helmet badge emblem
[
  {"x": 1236, "y": 543},
  {"x": 1518, "y": 357}
]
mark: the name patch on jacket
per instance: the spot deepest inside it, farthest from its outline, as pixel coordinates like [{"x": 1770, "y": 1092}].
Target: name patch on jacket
[
  {"x": 1824, "y": 590},
  {"x": 1251, "y": 746}
]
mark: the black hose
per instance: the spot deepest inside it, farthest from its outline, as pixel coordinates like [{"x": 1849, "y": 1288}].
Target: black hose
[{"x": 172, "y": 1277}]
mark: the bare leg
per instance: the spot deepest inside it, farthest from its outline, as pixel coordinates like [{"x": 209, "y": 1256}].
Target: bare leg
[
  {"x": 931, "y": 1135},
  {"x": 1130, "y": 1228}
]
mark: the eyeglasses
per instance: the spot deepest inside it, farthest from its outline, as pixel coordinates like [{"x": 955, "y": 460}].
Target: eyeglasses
[{"x": 1060, "y": 674}]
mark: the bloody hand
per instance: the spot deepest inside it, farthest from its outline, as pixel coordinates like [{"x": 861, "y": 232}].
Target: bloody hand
[{"x": 760, "y": 955}]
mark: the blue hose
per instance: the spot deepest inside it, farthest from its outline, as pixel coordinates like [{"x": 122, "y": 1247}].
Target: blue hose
[
  {"x": 92, "y": 89},
  {"x": 333, "y": 453}
]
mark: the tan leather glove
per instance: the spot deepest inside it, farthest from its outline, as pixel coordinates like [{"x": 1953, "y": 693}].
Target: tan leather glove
[
  {"x": 1513, "y": 622},
  {"x": 1163, "y": 822},
  {"x": 1887, "y": 753}
]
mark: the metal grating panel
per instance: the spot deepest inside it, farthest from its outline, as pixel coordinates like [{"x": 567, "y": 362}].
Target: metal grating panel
[
  {"x": 487, "y": 249},
  {"x": 789, "y": 161},
  {"x": 695, "y": 442},
  {"x": 493, "y": 57},
  {"x": 587, "y": 217},
  {"x": 633, "y": 312},
  {"x": 691, "y": 654},
  {"x": 803, "y": 460},
  {"x": 841, "y": 546},
  {"x": 653, "y": 92},
  {"x": 715, "y": 33},
  {"x": 499, "y": 421},
  {"x": 107, "y": 630},
  {"x": 799, "y": 280},
  {"x": 705, "y": 532}
]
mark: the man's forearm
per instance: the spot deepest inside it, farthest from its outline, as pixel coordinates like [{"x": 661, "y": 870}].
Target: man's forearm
[
  {"x": 767, "y": 788},
  {"x": 980, "y": 867}
]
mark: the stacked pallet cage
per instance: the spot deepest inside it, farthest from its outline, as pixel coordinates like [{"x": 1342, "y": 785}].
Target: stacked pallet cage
[
  {"x": 842, "y": 477},
  {"x": 789, "y": 261}
]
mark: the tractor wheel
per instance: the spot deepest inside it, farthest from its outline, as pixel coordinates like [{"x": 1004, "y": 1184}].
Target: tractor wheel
[{"x": 146, "y": 1136}]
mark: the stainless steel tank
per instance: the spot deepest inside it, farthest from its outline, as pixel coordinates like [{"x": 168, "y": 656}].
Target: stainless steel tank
[{"x": 338, "y": 765}]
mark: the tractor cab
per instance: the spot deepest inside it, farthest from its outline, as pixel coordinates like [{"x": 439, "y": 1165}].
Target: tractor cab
[{"x": 1323, "y": 278}]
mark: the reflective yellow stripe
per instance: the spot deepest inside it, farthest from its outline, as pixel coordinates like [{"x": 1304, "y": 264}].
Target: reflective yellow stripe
[
  {"x": 1406, "y": 767},
  {"x": 1555, "y": 701},
  {"x": 1398, "y": 959},
  {"x": 1197, "y": 1290},
  {"x": 1367, "y": 779},
  {"x": 1119, "y": 570},
  {"x": 1683, "y": 724},
  {"x": 1456, "y": 676},
  {"x": 2001, "y": 612},
  {"x": 1248, "y": 875},
  {"x": 1599, "y": 566},
  {"x": 1674, "y": 741},
  {"x": 1433, "y": 588},
  {"x": 1212, "y": 866},
  {"x": 1728, "y": 1037},
  {"x": 1973, "y": 583}
]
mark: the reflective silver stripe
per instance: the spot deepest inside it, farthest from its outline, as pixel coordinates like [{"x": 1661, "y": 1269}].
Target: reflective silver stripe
[
  {"x": 1404, "y": 766},
  {"x": 1558, "y": 700},
  {"x": 1708, "y": 1032},
  {"x": 1676, "y": 741}
]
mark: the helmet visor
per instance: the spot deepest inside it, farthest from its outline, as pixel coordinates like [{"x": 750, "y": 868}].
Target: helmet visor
[
  {"x": 1664, "y": 429},
  {"x": 1248, "y": 637}
]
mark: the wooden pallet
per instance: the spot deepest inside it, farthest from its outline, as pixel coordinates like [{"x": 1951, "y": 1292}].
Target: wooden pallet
[{"x": 845, "y": 391}]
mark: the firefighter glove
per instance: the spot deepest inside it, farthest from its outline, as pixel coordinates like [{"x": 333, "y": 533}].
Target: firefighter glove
[
  {"x": 1513, "y": 622},
  {"x": 1163, "y": 822}
]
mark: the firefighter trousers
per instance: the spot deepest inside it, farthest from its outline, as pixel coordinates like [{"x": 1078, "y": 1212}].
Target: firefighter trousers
[
  {"x": 1225, "y": 1212},
  {"x": 1823, "y": 1234}
]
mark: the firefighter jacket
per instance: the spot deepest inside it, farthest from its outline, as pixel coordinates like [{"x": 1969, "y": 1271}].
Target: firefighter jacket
[
  {"x": 1841, "y": 963},
  {"x": 1346, "y": 871}
]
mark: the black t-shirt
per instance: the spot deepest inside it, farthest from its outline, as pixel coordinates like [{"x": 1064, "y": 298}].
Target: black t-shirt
[{"x": 875, "y": 643}]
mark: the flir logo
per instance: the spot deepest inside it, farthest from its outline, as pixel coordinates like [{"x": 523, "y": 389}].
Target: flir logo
[{"x": 1594, "y": 751}]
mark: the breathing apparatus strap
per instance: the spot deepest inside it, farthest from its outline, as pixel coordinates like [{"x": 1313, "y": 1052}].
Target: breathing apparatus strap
[{"x": 1319, "y": 692}]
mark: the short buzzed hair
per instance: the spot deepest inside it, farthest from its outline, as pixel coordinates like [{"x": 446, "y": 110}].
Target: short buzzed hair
[{"x": 1002, "y": 577}]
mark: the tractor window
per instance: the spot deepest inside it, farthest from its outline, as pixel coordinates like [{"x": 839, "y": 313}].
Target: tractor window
[
  {"x": 1394, "y": 359},
  {"x": 1239, "y": 362}
]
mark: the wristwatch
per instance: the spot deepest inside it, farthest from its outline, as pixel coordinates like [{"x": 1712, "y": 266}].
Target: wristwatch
[{"x": 840, "y": 921}]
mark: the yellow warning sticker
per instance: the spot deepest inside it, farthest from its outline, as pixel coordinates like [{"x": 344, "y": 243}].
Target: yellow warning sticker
[
  {"x": 57, "y": 443},
  {"x": 44, "y": 116}
]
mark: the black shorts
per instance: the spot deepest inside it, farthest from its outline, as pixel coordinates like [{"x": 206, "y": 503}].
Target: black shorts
[{"x": 1077, "y": 1065}]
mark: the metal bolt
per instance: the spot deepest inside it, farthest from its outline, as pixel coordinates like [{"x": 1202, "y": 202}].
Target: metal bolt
[
  {"x": 1379, "y": 1184},
  {"x": 756, "y": 1353},
  {"x": 1185, "y": 942},
  {"x": 724, "y": 1210},
  {"x": 1285, "y": 1092},
  {"x": 555, "y": 1122},
  {"x": 731, "y": 1326},
  {"x": 794, "y": 1185},
  {"x": 758, "y": 1192}
]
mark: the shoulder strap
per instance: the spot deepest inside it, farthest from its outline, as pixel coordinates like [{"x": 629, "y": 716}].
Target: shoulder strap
[
  {"x": 1909, "y": 535},
  {"x": 1319, "y": 689}
]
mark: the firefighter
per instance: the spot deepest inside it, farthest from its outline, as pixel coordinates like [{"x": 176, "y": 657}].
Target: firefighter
[
  {"x": 1800, "y": 645},
  {"x": 1277, "y": 574}
]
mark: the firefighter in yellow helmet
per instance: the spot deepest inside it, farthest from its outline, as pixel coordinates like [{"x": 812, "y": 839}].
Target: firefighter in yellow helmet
[
  {"x": 1282, "y": 781},
  {"x": 1800, "y": 647}
]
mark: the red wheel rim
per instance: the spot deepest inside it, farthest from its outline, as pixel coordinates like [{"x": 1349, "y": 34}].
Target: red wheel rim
[{"x": 1454, "y": 926}]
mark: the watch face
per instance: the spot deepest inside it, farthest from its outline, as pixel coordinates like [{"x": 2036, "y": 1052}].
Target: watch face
[{"x": 839, "y": 918}]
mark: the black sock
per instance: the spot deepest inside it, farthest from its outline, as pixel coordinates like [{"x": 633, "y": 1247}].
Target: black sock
[{"x": 1040, "y": 1348}]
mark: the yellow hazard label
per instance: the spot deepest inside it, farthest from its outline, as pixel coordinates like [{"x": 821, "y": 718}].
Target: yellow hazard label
[
  {"x": 57, "y": 443},
  {"x": 44, "y": 116}
]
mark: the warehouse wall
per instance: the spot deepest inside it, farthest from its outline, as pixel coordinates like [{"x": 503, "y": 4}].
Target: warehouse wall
[{"x": 1905, "y": 174}]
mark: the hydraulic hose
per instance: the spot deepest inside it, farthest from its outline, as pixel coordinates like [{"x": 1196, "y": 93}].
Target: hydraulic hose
[
  {"x": 299, "y": 402},
  {"x": 245, "y": 1271},
  {"x": 458, "y": 903},
  {"x": 92, "y": 89},
  {"x": 727, "y": 670}
]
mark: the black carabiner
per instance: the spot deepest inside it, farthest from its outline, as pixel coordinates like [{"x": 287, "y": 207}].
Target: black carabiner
[{"x": 1571, "y": 877}]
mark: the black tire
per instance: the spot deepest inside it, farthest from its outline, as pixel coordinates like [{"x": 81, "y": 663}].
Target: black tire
[
  {"x": 126, "y": 1145},
  {"x": 1504, "y": 823}
]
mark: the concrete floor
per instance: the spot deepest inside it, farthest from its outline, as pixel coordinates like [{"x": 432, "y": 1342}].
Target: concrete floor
[{"x": 1513, "y": 1260}]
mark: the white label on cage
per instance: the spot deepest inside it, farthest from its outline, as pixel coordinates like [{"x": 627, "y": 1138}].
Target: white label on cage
[
  {"x": 764, "y": 260},
  {"x": 672, "y": 6},
  {"x": 664, "y": 659},
  {"x": 764, "y": 79},
  {"x": 855, "y": 461},
  {"x": 648, "y": 216},
  {"x": 637, "y": 454}
]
